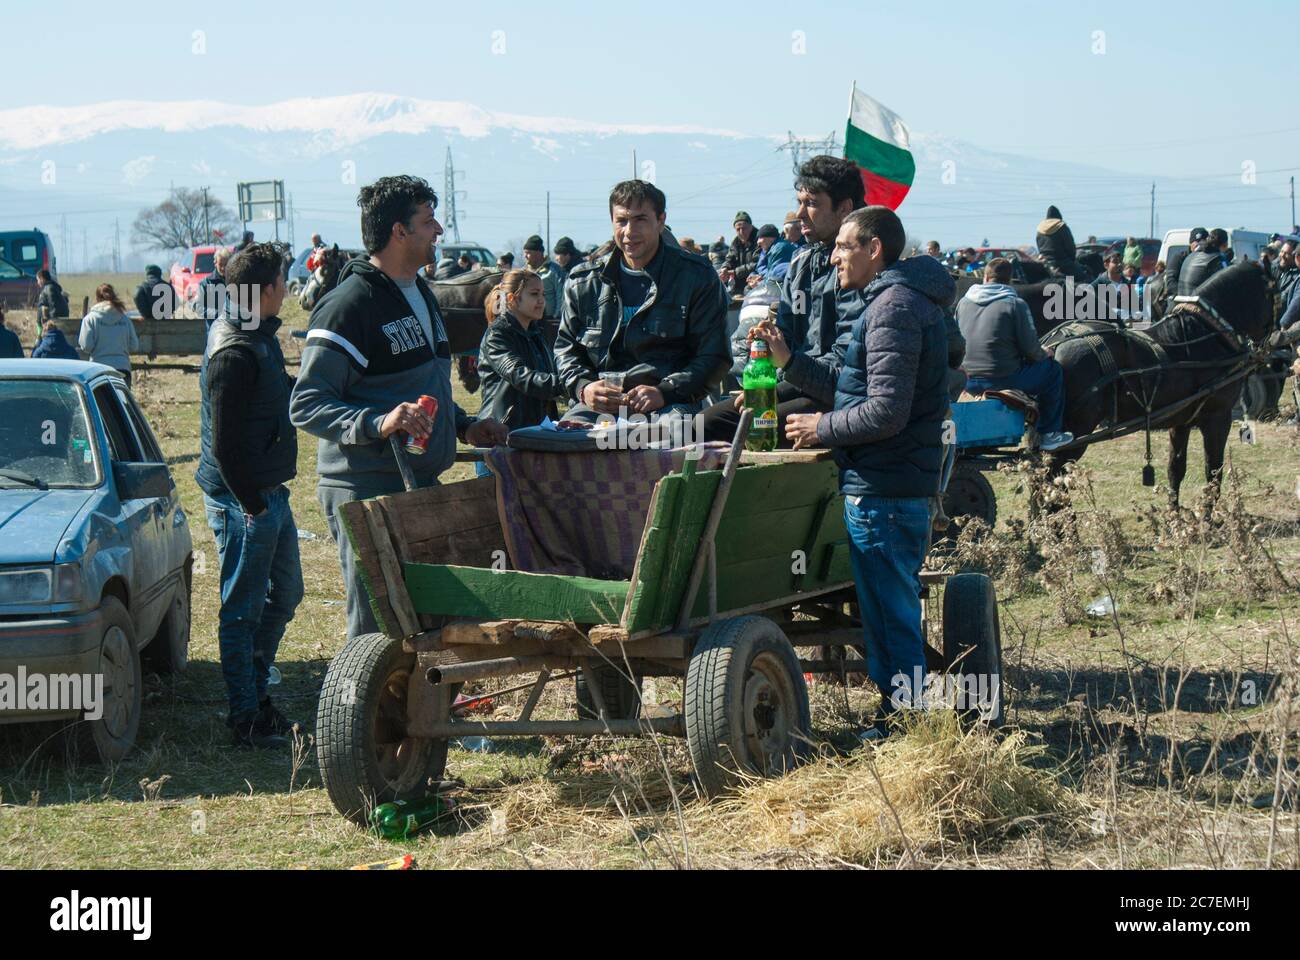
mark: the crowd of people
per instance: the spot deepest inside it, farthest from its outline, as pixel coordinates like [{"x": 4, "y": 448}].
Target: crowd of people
[{"x": 872, "y": 348}]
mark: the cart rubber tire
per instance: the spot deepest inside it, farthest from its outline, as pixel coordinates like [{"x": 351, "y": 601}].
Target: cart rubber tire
[
  {"x": 112, "y": 735},
  {"x": 969, "y": 494},
  {"x": 972, "y": 639},
  {"x": 622, "y": 698},
  {"x": 169, "y": 651},
  {"x": 362, "y": 713},
  {"x": 744, "y": 669}
]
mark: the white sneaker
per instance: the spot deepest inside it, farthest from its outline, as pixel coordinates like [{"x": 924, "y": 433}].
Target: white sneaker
[{"x": 1053, "y": 441}]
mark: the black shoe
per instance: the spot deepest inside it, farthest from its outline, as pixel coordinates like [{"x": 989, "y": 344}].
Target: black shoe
[
  {"x": 273, "y": 721},
  {"x": 251, "y": 731}
]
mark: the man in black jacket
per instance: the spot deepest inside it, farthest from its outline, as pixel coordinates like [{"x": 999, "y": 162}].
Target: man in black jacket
[
  {"x": 211, "y": 299},
  {"x": 648, "y": 310},
  {"x": 248, "y": 452},
  {"x": 155, "y": 298},
  {"x": 1175, "y": 265},
  {"x": 742, "y": 255},
  {"x": 51, "y": 302},
  {"x": 815, "y": 315},
  {"x": 1203, "y": 264}
]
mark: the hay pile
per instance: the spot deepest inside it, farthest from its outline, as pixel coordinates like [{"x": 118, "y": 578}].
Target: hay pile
[{"x": 913, "y": 794}]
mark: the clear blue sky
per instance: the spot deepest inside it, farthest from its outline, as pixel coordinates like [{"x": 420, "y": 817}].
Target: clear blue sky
[{"x": 1021, "y": 77}]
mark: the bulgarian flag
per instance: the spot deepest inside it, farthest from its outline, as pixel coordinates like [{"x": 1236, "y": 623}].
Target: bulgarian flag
[{"x": 877, "y": 141}]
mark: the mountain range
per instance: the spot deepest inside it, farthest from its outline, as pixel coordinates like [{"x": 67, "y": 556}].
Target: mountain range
[{"x": 82, "y": 173}]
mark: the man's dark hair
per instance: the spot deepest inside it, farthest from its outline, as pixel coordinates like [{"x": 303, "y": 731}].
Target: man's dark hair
[
  {"x": 257, "y": 265},
  {"x": 883, "y": 224},
  {"x": 464, "y": 255},
  {"x": 387, "y": 201},
  {"x": 840, "y": 179},
  {"x": 633, "y": 193},
  {"x": 997, "y": 270},
  {"x": 43, "y": 274},
  {"x": 1218, "y": 239}
]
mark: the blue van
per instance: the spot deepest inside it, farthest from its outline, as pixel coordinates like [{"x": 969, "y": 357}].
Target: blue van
[{"x": 28, "y": 250}]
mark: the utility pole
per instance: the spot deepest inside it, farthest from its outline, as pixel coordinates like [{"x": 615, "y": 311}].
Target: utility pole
[
  {"x": 1152, "y": 233},
  {"x": 207, "y": 229},
  {"x": 634, "y": 166},
  {"x": 1293, "y": 219},
  {"x": 117, "y": 245},
  {"x": 800, "y": 148},
  {"x": 291, "y": 218},
  {"x": 548, "y": 220},
  {"x": 449, "y": 191}
]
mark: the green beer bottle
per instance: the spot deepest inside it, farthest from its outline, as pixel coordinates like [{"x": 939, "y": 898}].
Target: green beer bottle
[
  {"x": 401, "y": 818},
  {"x": 759, "y": 381}
]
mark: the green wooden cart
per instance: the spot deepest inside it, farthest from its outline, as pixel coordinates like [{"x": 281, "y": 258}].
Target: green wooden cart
[{"x": 736, "y": 568}]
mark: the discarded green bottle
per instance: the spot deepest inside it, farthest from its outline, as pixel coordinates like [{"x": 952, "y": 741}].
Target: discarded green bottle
[
  {"x": 401, "y": 818},
  {"x": 759, "y": 381}
]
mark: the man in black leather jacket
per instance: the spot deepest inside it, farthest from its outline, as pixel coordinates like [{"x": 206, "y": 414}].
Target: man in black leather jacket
[
  {"x": 1204, "y": 263},
  {"x": 651, "y": 311}
]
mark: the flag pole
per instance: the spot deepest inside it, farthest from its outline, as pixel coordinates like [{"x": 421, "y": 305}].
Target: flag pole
[{"x": 853, "y": 93}]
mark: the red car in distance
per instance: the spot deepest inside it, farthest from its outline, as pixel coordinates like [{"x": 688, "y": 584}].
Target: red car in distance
[{"x": 193, "y": 268}]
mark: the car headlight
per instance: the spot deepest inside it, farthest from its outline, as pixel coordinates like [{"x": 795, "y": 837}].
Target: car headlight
[
  {"x": 26, "y": 585},
  {"x": 60, "y": 583},
  {"x": 67, "y": 582}
]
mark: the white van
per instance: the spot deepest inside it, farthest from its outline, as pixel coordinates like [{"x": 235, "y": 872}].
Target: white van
[{"x": 1242, "y": 241}]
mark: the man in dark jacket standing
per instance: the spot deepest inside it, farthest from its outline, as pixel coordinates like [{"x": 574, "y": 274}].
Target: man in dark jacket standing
[
  {"x": 211, "y": 299},
  {"x": 248, "y": 452},
  {"x": 155, "y": 298},
  {"x": 51, "y": 302},
  {"x": 886, "y": 430},
  {"x": 648, "y": 310},
  {"x": 377, "y": 343}
]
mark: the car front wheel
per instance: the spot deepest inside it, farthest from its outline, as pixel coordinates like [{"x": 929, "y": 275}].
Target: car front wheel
[{"x": 111, "y": 734}]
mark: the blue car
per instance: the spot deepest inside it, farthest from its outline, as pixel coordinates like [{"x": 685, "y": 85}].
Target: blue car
[{"x": 95, "y": 553}]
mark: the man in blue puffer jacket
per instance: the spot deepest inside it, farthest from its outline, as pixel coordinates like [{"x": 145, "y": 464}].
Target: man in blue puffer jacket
[{"x": 886, "y": 430}]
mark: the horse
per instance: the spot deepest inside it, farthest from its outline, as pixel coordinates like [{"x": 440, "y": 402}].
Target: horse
[
  {"x": 324, "y": 278},
  {"x": 460, "y": 300},
  {"x": 1185, "y": 371}
]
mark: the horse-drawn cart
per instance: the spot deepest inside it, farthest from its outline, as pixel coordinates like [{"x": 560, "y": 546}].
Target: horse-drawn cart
[{"x": 713, "y": 569}]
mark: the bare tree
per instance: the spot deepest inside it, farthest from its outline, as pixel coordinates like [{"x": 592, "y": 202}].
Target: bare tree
[{"x": 187, "y": 218}]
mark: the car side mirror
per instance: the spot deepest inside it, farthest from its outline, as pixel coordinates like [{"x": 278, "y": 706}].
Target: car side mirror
[{"x": 142, "y": 481}]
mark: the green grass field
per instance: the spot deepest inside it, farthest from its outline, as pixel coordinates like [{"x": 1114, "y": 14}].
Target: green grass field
[{"x": 1159, "y": 737}]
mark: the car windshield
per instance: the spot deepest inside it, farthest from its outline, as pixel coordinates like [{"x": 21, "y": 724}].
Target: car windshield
[
  {"x": 203, "y": 262},
  {"x": 482, "y": 256},
  {"x": 45, "y": 439}
]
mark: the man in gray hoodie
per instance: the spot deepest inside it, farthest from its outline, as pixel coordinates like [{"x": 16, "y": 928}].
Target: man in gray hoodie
[
  {"x": 376, "y": 344},
  {"x": 1003, "y": 352}
]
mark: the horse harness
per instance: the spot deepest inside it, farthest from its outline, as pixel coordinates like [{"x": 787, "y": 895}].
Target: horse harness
[{"x": 1089, "y": 333}]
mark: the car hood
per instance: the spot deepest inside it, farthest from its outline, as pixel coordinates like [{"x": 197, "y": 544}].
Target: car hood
[{"x": 33, "y": 522}]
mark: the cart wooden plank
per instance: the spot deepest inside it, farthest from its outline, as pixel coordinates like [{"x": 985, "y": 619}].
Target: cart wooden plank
[{"x": 478, "y": 593}]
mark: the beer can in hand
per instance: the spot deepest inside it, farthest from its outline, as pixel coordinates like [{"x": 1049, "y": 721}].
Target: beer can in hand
[{"x": 430, "y": 406}]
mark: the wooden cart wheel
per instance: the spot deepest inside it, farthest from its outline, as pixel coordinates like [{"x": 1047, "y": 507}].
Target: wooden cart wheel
[
  {"x": 365, "y": 755},
  {"x": 622, "y": 698},
  {"x": 972, "y": 644},
  {"x": 746, "y": 704}
]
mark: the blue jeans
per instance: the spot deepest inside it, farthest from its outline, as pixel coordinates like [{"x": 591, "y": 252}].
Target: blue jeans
[
  {"x": 261, "y": 587},
  {"x": 888, "y": 540},
  {"x": 1044, "y": 381}
]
